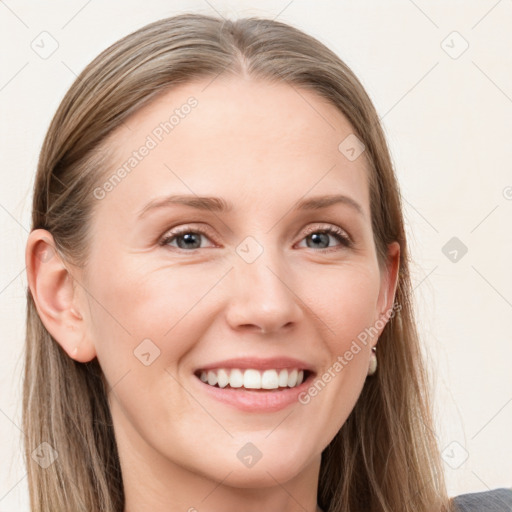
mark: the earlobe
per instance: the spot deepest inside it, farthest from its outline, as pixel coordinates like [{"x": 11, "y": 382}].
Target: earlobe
[{"x": 51, "y": 287}]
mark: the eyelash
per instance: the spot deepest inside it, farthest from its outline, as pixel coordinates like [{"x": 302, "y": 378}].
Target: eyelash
[{"x": 336, "y": 232}]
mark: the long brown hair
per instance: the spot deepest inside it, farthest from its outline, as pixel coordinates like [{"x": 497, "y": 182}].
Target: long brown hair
[{"x": 385, "y": 457}]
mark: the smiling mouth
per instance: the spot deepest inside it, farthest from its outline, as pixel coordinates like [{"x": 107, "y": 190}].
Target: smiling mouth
[{"x": 250, "y": 379}]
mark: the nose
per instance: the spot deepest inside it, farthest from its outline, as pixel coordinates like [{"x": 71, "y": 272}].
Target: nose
[{"x": 262, "y": 297}]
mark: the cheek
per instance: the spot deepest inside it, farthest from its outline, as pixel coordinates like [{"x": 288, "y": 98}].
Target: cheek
[
  {"x": 143, "y": 325},
  {"x": 132, "y": 305},
  {"x": 172, "y": 307},
  {"x": 345, "y": 301}
]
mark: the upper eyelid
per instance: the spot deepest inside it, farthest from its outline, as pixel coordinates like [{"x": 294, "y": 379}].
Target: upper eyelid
[
  {"x": 325, "y": 226},
  {"x": 184, "y": 228}
]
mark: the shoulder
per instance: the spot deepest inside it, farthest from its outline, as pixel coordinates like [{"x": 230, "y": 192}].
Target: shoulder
[{"x": 495, "y": 500}]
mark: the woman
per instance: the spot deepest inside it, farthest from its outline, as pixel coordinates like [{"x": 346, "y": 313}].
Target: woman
[{"x": 188, "y": 345}]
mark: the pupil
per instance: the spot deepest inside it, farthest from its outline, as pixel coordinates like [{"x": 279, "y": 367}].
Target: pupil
[
  {"x": 188, "y": 239},
  {"x": 318, "y": 237}
]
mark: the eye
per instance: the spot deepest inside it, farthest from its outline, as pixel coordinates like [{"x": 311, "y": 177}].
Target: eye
[
  {"x": 190, "y": 238},
  {"x": 186, "y": 238},
  {"x": 320, "y": 236}
]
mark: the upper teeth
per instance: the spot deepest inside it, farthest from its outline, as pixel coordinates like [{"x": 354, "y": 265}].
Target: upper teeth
[{"x": 253, "y": 379}]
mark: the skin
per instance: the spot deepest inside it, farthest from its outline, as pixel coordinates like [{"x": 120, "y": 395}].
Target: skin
[{"x": 262, "y": 147}]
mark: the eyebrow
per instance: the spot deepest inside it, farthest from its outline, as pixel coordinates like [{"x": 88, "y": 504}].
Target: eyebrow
[{"x": 217, "y": 204}]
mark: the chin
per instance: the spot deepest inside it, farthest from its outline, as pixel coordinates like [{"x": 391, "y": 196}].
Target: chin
[
  {"x": 258, "y": 476},
  {"x": 265, "y": 472}
]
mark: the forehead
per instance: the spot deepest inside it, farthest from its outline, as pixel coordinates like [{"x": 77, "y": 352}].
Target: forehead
[{"x": 236, "y": 138}]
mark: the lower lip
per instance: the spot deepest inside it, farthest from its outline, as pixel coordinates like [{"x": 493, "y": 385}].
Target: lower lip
[{"x": 256, "y": 401}]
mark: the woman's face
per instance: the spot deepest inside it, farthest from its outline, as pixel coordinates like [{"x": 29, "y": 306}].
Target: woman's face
[{"x": 175, "y": 287}]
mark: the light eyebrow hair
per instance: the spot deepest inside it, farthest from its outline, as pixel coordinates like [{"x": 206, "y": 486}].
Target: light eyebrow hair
[
  {"x": 316, "y": 203},
  {"x": 214, "y": 204},
  {"x": 217, "y": 204}
]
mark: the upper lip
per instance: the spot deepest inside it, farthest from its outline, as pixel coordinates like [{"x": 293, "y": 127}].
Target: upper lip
[{"x": 256, "y": 363}]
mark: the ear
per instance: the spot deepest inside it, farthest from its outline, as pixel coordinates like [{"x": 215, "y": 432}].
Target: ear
[
  {"x": 389, "y": 283},
  {"x": 55, "y": 295}
]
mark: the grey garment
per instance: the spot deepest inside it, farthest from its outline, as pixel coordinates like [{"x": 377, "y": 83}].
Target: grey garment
[{"x": 495, "y": 500}]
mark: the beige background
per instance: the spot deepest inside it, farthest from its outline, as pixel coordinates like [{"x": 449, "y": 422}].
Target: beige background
[{"x": 447, "y": 113}]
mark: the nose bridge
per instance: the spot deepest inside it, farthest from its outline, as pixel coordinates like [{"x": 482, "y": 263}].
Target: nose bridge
[{"x": 261, "y": 294}]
